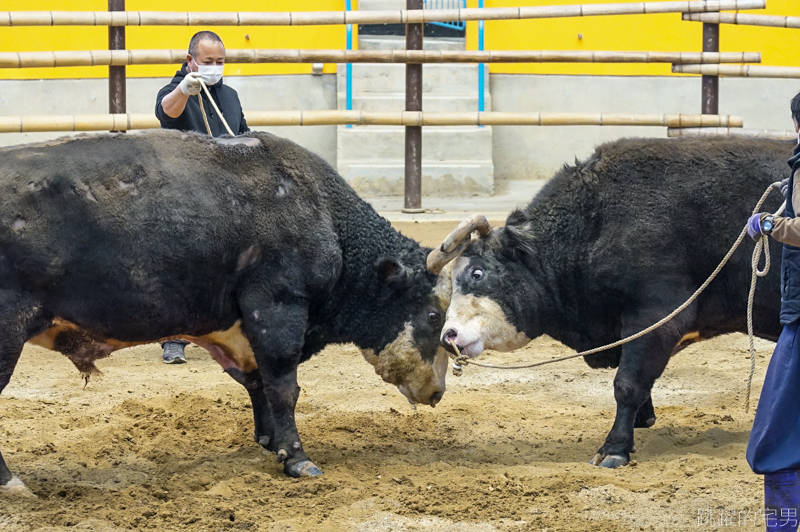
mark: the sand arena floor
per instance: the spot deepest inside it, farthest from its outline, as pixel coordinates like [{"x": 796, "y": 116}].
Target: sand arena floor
[{"x": 155, "y": 447}]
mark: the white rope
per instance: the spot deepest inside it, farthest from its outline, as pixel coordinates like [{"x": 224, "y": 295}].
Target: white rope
[
  {"x": 203, "y": 110},
  {"x": 761, "y": 245},
  {"x": 460, "y": 360}
]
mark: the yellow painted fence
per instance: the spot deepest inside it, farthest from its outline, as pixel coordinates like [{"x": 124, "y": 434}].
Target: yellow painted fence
[{"x": 780, "y": 47}]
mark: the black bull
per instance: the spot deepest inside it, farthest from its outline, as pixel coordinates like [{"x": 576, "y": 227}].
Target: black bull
[
  {"x": 614, "y": 244},
  {"x": 253, "y": 248}
]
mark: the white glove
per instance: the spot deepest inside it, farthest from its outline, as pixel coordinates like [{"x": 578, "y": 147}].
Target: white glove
[{"x": 190, "y": 84}]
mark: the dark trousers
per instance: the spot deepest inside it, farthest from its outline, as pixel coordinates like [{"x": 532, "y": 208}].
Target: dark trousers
[{"x": 775, "y": 439}]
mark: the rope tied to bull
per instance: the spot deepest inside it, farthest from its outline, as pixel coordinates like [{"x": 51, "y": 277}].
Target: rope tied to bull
[
  {"x": 762, "y": 247},
  {"x": 213, "y": 103}
]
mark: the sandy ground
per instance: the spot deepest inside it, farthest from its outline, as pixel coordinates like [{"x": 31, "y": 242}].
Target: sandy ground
[{"x": 155, "y": 447}]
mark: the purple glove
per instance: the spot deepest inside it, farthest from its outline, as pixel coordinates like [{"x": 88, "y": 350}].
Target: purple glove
[{"x": 754, "y": 227}]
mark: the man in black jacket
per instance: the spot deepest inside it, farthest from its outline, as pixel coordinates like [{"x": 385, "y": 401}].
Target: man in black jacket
[
  {"x": 178, "y": 107},
  {"x": 177, "y": 104}
]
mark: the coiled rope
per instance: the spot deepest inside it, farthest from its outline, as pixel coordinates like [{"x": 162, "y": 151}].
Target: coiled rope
[{"x": 762, "y": 246}]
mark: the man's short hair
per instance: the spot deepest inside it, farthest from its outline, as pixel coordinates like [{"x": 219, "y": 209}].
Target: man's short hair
[
  {"x": 795, "y": 105},
  {"x": 200, "y": 36}
]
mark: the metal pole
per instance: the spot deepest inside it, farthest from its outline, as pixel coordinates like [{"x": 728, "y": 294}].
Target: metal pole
[
  {"x": 116, "y": 74},
  {"x": 413, "y": 182},
  {"x": 710, "y": 83}
]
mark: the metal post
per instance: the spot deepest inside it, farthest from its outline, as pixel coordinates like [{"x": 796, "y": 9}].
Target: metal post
[
  {"x": 413, "y": 189},
  {"x": 710, "y": 83},
  {"x": 116, "y": 74}
]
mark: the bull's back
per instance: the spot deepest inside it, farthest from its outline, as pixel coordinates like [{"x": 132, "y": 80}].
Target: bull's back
[
  {"x": 673, "y": 210},
  {"x": 156, "y": 220},
  {"x": 710, "y": 188}
]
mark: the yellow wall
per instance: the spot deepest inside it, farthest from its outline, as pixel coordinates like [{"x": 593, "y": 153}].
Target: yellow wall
[
  {"x": 29, "y": 39},
  {"x": 637, "y": 32},
  {"x": 779, "y": 46}
]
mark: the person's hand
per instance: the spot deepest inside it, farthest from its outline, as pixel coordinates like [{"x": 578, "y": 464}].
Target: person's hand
[
  {"x": 190, "y": 84},
  {"x": 782, "y": 186},
  {"x": 754, "y": 227}
]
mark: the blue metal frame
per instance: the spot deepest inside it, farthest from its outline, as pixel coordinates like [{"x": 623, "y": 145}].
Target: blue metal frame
[
  {"x": 349, "y": 72},
  {"x": 481, "y": 66},
  {"x": 448, "y": 4},
  {"x": 429, "y": 4}
]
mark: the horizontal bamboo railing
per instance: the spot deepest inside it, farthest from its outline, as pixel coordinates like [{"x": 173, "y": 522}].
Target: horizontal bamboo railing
[
  {"x": 733, "y": 132},
  {"x": 771, "y": 21},
  {"x": 121, "y": 122},
  {"x": 168, "y": 57},
  {"x": 739, "y": 71},
  {"x": 304, "y": 18}
]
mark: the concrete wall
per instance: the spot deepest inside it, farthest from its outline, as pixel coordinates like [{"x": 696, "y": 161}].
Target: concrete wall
[
  {"x": 257, "y": 93},
  {"x": 531, "y": 152}
]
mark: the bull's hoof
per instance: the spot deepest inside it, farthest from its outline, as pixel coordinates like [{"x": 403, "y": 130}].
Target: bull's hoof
[
  {"x": 16, "y": 488},
  {"x": 304, "y": 468},
  {"x": 613, "y": 461},
  {"x": 263, "y": 441},
  {"x": 644, "y": 424}
]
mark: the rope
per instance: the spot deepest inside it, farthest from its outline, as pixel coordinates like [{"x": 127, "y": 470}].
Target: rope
[
  {"x": 761, "y": 245},
  {"x": 213, "y": 103},
  {"x": 460, "y": 360}
]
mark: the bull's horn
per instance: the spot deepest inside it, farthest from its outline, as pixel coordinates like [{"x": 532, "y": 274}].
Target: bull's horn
[{"x": 455, "y": 242}]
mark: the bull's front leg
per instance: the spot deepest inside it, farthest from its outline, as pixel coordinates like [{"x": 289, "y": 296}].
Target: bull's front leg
[
  {"x": 264, "y": 431},
  {"x": 276, "y": 330}
]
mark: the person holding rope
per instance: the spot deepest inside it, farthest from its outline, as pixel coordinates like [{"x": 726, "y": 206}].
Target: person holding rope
[
  {"x": 774, "y": 446},
  {"x": 178, "y": 104},
  {"x": 178, "y": 107}
]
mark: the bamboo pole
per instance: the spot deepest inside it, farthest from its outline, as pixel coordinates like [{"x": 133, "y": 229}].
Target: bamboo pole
[
  {"x": 171, "y": 57},
  {"x": 305, "y": 18},
  {"x": 733, "y": 132},
  {"x": 121, "y": 122},
  {"x": 42, "y": 123},
  {"x": 739, "y": 71},
  {"x": 771, "y": 21}
]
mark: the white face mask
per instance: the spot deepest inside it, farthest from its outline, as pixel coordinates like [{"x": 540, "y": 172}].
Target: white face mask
[{"x": 210, "y": 74}]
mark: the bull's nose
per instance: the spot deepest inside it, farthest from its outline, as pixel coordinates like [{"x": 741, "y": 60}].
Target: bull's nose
[
  {"x": 435, "y": 398},
  {"x": 448, "y": 338}
]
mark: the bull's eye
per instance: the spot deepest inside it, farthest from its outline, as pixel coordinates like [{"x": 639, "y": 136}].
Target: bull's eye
[
  {"x": 434, "y": 318},
  {"x": 477, "y": 274}
]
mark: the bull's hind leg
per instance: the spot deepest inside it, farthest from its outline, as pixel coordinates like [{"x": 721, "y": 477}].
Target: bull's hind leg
[
  {"x": 642, "y": 362},
  {"x": 20, "y": 319}
]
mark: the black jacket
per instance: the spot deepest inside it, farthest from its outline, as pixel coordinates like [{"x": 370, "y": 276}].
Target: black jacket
[
  {"x": 790, "y": 263},
  {"x": 192, "y": 119}
]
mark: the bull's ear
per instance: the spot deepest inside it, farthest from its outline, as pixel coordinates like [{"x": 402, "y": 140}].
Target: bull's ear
[
  {"x": 392, "y": 272},
  {"x": 515, "y": 245}
]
